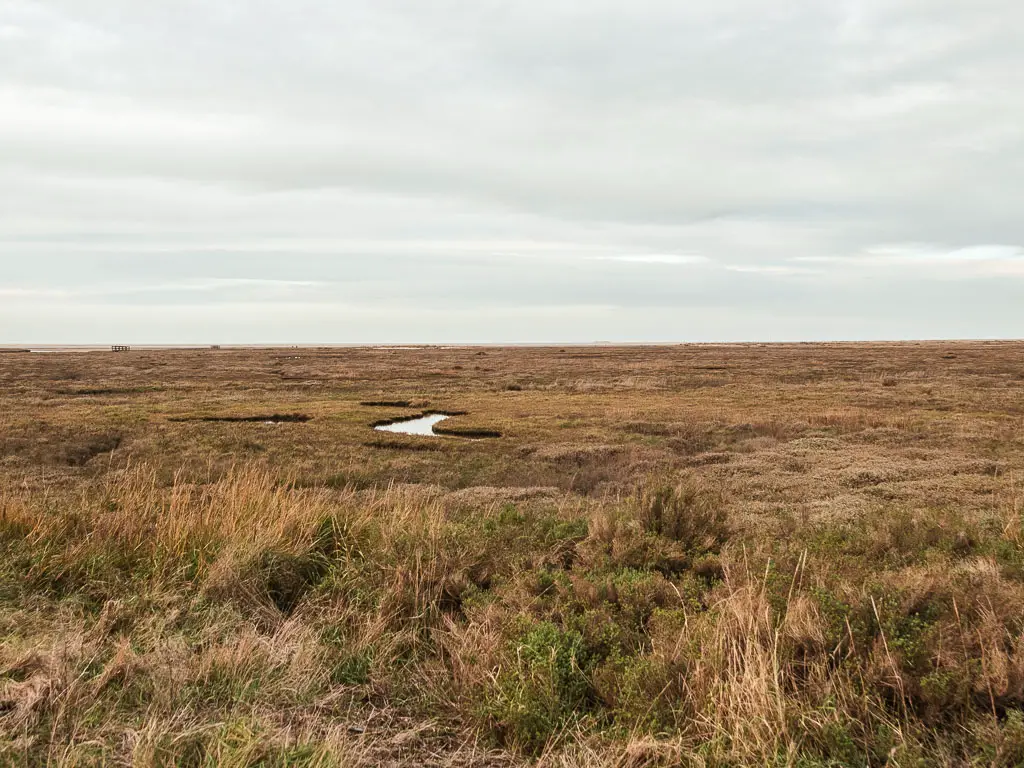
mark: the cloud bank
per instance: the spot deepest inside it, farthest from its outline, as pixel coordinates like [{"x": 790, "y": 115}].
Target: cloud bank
[{"x": 185, "y": 171}]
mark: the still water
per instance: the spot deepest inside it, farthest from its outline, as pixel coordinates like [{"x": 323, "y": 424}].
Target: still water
[{"x": 423, "y": 426}]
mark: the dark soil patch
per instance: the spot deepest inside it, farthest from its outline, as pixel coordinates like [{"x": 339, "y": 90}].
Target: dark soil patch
[
  {"x": 108, "y": 391},
  {"x": 649, "y": 428},
  {"x": 277, "y": 418},
  {"x": 288, "y": 577},
  {"x": 473, "y": 433},
  {"x": 708, "y": 459},
  {"x": 398, "y": 445},
  {"x": 51, "y": 446},
  {"x": 387, "y": 404},
  {"x": 79, "y": 451}
]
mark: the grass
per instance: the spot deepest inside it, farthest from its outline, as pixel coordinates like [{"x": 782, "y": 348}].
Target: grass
[{"x": 799, "y": 564}]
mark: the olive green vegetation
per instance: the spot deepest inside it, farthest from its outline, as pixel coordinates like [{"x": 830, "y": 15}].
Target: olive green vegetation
[{"x": 807, "y": 555}]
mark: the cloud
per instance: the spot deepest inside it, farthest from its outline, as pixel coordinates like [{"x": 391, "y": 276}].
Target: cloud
[
  {"x": 755, "y": 163},
  {"x": 929, "y": 260},
  {"x": 658, "y": 258}
]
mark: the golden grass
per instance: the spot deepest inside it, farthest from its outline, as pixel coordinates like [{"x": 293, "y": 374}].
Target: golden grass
[{"x": 806, "y": 555}]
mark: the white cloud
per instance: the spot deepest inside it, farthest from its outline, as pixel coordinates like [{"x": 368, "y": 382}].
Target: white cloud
[
  {"x": 920, "y": 254},
  {"x": 514, "y": 157},
  {"x": 658, "y": 258}
]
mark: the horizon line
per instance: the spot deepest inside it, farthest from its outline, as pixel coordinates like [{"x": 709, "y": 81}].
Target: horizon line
[{"x": 58, "y": 347}]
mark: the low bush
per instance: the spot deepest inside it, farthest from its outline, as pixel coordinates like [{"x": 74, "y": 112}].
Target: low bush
[{"x": 689, "y": 513}]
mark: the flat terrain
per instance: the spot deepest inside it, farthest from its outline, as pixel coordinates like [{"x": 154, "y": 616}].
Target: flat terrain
[{"x": 807, "y": 555}]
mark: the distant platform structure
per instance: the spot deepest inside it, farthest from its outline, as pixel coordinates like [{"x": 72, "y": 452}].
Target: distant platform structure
[
  {"x": 120, "y": 348},
  {"x": 215, "y": 346}
]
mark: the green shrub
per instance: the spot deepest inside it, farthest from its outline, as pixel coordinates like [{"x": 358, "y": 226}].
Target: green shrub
[
  {"x": 545, "y": 686},
  {"x": 640, "y": 692}
]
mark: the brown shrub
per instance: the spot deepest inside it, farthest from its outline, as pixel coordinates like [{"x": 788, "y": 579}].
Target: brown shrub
[{"x": 691, "y": 513}]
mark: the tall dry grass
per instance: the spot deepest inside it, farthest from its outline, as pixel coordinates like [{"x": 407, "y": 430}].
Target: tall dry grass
[{"x": 244, "y": 621}]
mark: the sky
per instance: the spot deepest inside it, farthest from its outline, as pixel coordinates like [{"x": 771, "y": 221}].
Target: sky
[{"x": 389, "y": 171}]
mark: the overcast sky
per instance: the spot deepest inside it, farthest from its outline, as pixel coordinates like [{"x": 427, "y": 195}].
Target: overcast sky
[{"x": 182, "y": 171}]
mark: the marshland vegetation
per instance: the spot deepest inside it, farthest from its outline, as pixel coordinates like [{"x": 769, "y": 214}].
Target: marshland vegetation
[{"x": 791, "y": 555}]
